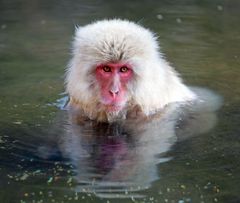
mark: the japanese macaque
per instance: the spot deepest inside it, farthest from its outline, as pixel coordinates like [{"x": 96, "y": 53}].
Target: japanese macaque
[{"x": 117, "y": 71}]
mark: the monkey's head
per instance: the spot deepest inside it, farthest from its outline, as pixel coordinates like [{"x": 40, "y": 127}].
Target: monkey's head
[{"x": 117, "y": 67}]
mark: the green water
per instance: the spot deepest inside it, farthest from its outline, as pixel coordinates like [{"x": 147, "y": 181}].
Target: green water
[{"x": 200, "y": 38}]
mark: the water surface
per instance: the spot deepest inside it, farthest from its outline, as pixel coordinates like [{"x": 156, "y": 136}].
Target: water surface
[{"x": 42, "y": 161}]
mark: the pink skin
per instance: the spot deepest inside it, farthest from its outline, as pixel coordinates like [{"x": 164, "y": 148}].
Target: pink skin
[{"x": 113, "y": 79}]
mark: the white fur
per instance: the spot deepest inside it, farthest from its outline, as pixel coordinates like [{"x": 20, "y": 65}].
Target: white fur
[{"x": 155, "y": 82}]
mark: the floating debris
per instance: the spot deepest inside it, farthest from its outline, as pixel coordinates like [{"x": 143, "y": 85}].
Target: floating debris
[
  {"x": 183, "y": 187},
  {"x": 10, "y": 176},
  {"x": 219, "y": 7},
  {"x": 159, "y": 17},
  {"x": 24, "y": 177},
  {"x": 36, "y": 172},
  {"x": 76, "y": 196},
  {"x": 1, "y": 140},
  {"x": 69, "y": 181},
  {"x": 17, "y": 122},
  {"x": 4, "y": 26},
  {"x": 43, "y": 22},
  {"x": 50, "y": 180},
  {"x": 25, "y": 104},
  {"x": 179, "y": 20}
]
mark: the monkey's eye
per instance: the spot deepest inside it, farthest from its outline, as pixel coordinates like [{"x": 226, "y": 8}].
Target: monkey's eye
[
  {"x": 106, "y": 69},
  {"x": 124, "y": 69}
]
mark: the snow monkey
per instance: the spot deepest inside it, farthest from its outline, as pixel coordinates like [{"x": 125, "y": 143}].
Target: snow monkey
[
  {"x": 117, "y": 70},
  {"x": 121, "y": 85}
]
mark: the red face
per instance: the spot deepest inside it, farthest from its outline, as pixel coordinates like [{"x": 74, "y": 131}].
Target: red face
[{"x": 113, "y": 79}]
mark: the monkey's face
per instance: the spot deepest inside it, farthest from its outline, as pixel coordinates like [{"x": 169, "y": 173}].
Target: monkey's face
[{"x": 113, "y": 79}]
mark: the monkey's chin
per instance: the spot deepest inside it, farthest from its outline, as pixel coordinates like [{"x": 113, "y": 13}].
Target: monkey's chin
[
  {"x": 113, "y": 108},
  {"x": 114, "y": 112}
]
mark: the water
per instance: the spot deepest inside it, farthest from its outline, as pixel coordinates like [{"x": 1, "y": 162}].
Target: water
[{"x": 42, "y": 161}]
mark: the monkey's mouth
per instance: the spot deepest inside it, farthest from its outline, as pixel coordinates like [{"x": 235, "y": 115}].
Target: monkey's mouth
[{"x": 112, "y": 105}]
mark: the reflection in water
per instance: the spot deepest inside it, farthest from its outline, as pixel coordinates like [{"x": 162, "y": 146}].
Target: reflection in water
[
  {"x": 121, "y": 159},
  {"x": 115, "y": 160}
]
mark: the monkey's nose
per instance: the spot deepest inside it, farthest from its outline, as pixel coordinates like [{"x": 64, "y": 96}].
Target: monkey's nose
[{"x": 113, "y": 93}]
